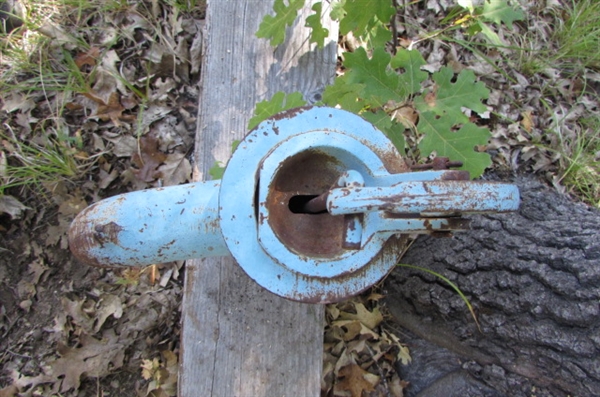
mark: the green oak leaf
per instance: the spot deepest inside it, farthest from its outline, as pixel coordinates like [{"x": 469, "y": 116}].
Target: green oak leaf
[
  {"x": 278, "y": 103},
  {"x": 449, "y": 97},
  {"x": 273, "y": 27},
  {"x": 360, "y": 14},
  {"x": 413, "y": 76},
  {"x": 337, "y": 10},
  {"x": 489, "y": 33},
  {"x": 456, "y": 145},
  {"x": 392, "y": 129},
  {"x": 379, "y": 36},
  {"x": 499, "y": 11},
  {"x": 217, "y": 170},
  {"x": 313, "y": 21},
  {"x": 381, "y": 84},
  {"x": 345, "y": 94},
  {"x": 468, "y": 4}
]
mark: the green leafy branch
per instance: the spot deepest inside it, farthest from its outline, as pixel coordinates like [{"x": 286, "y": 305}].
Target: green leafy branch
[
  {"x": 476, "y": 19},
  {"x": 273, "y": 27},
  {"x": 387, "y": 90}
]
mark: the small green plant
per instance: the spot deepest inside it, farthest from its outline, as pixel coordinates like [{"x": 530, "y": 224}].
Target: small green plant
[
  {"x": 387, "y": 89},
  {"x": 56, "y": 57},
  {"x": 578, "y": 36},
  {"x": 478, "y": 18},
  {"x": 37, "y": 166},
  {"x": 570, "y": 45},
  {"x": 580, "y": 158}
]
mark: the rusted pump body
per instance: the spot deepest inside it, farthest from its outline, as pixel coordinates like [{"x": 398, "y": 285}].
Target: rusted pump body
[{"x": 315, "y": 205}]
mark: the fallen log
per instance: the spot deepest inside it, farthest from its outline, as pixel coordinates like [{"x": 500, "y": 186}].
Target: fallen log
[{"x": 533, "y": 278}]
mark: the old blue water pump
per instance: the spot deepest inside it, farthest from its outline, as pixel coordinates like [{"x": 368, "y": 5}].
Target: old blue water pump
[{"x": 315, "y": 205}]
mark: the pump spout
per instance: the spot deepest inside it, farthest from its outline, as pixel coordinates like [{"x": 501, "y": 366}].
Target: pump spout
[{"x": 150, "y": 226}]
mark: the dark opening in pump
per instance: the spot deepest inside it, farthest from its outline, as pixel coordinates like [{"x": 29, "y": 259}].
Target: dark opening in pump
[
  {"x": 306, "y": 228},
  {"x": 298, "y": 204}
]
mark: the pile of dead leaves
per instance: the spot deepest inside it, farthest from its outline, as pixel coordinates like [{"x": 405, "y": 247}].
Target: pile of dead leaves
[
  {"x": 118, "y": 320},
  {"x": 361, "y": 356},
  {"x": 123, "y": 97},
  {"x": 114, "y": 93}
]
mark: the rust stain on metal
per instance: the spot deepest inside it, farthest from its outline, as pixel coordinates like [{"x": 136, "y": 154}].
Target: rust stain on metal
[
  {"x": 309, "y": 173},
  {"x": 108, "y": 232},
  {"x": 83, "y": 238},
  {"x": 394, "y": 163},
  {"x": 454, "y": 175},
  {"x": 438, "y": 164},
  {"x": 288, "y": 114},
  {"x": 390, "y": 253},
  {"x": 396, "y": 215},
  {"x": 316, "y": 205},
  {"x": 444, "y": 234},
  {"x": 350, "y": 225}
]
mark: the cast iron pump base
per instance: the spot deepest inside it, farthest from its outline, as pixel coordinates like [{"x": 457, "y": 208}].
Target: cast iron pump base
[{"x": 315, "y": 205}]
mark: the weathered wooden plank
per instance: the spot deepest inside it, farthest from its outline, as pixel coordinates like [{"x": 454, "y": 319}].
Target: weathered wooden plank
[{"x": 238, "y": 339}]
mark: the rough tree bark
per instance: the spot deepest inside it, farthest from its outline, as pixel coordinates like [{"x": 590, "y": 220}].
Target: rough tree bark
[{"x": 533, "y": 278}]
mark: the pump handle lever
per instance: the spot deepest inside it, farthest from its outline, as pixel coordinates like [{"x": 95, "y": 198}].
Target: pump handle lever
[{"x": 434, "y": 197}]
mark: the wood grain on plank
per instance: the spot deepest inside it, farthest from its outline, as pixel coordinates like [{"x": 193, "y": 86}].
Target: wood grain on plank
[{"x": 237, "y": 338}]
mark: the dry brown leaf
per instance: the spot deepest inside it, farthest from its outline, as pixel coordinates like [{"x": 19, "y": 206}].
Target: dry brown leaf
[
  {"x": 123, "y": 145},
  {"x": 349, "y": 341},
  {"x": 113, "y": 111},
  {"x": 374, "y": 296},
  {"x": 148, "y": 159},
  {"x": 9, "y": 391},
  {"x": 406, "y": 115},
  {"x": 196, "y": 53},
  {"x": 332, "y": 312},
  {"x": 163, "y": 375},
  {"x": 57, "y": 33},
  {"x": 88, "y": 58},
  {"x": 175, "y": 170},
  {"x": 352, "y": 329},
  {"x": 17, "y": 101},
  {"x": 397, "y": 386},
  {"x": 94, "y": 358},
  {"x": 527, "y": 121},
  {"x": 72, "y": 206},
  {"x": 11, "y": 206},
  {"x": 20, "y": 382},
  {"x": 149, "y": 368},
  {"x": 349, "y": 329},
  {"x": 105, "y": 178},
  {"x": 369, "y": 319},
  {"x": 77, "y": 313},
  {"x": 109, "y": 305},
  {"x": 129, "y": 101},
  {"x": 356, "y": 380}
]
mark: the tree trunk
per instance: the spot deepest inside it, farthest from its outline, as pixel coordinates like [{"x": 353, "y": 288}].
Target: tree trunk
[{"x": 533, "y": 278}]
